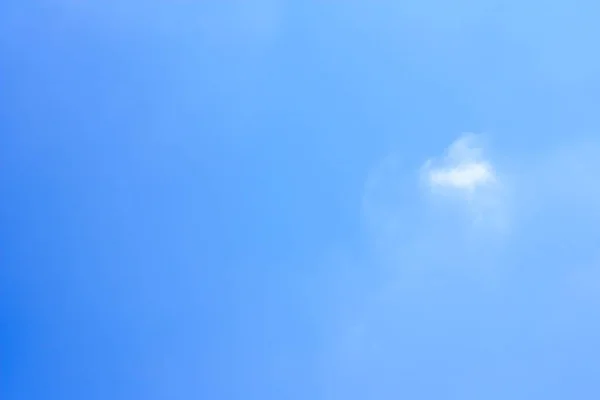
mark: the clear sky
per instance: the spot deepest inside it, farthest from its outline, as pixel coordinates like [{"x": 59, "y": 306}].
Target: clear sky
[{"x": 278, "y": 199}]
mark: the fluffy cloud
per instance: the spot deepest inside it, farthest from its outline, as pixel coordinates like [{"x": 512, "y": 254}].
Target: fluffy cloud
[
  {"x": 479, "y": 286},
  {"x": 464, "y": 201},
  {"x": 469, "y": 199},
  {"x": 462, "y": 168},
  {"x": 465, "y": 176}
]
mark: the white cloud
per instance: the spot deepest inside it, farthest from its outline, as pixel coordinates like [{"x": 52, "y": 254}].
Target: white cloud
[
  {"x": 475, "y": 200},
  {"x": 463, "y": 176},
  {"x": 551, "y": 195},
  {"x": 462, "y": 168},
  {"x": 467, "y": 178},
  {"x": 462, "y": 209}
]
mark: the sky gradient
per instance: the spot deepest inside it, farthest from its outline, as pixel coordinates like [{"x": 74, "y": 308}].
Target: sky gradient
[{"x": 299, "y": 200}]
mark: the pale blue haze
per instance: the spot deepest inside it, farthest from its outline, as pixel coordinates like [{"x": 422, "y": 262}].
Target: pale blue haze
[{"x": 221, "y": 200}]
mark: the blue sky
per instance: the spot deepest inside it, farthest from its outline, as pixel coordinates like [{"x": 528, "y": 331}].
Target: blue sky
[{"x": 299, "y": 200}]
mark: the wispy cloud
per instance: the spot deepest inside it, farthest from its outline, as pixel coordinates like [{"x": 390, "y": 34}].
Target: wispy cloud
[
  {"x": 549, "y": 194},
  {"x": 474, "y": 196},
  {"x": 457, "y": 203},
  {"x": 465, "y": 173},
  {"x": 463, "y": 167},
  {"x": 463, "y": 176}
]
